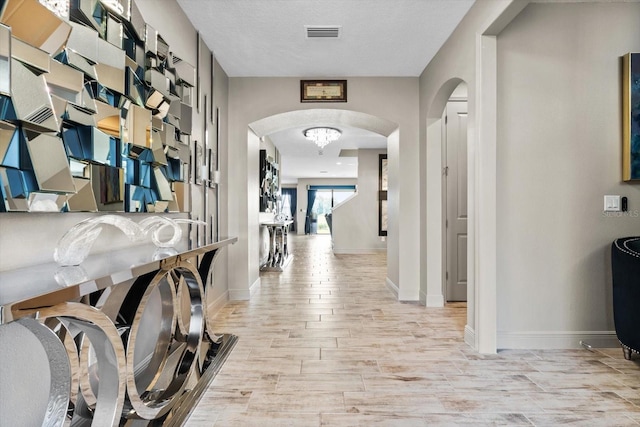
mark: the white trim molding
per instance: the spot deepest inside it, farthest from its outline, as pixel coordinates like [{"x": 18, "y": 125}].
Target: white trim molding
[
  {"x": 239, "y": 295},
  {"x": 244, "y": 294},
  {"x": 392, "y": 287},
  {"x": 435, "y": 301},
  {"x": 254, "y": 287},
  {"x": 556, "y": 339},
  {"x": 214, "y": 306},
  {"x": 469, "y": 336},
  {"x": 363, "y": 251}
]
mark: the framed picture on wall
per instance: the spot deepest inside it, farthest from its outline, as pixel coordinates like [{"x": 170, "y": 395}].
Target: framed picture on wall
[
  {"x": 198, "y": 93},
  {"x": 323, "y": 91},
  {"x": 383, "y": 188},
  {"x": 211, "y": 105},
  {"x": 631, "y": 117},
  {"x": 211, "y": 161}
]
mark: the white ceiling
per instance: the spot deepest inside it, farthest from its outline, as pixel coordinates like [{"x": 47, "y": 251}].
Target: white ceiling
[
  {"x": 300, "y": 158},
  {"x": 267, "y": 38}
]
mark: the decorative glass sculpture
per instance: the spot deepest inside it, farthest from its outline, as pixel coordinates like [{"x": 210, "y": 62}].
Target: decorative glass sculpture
[{"x": 74, "y": 246}]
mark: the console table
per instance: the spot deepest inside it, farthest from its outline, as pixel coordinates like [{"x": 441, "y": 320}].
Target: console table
[
  {"x": 126, "y": 335},
  {"x": 279, "y": 256}
]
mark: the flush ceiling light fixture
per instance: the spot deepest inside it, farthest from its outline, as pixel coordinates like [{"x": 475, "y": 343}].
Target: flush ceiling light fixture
[{"x": 321, "y": 136}]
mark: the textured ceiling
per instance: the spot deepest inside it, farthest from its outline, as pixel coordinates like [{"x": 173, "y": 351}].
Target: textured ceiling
[{"x": 267, "y": 38}]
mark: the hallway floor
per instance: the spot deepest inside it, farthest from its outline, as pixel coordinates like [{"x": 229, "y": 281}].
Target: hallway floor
[{"x": 325, "y": 343}]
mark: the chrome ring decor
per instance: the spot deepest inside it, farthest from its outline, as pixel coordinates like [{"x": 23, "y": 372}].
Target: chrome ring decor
[
  {"x": 100, "y": 331},
  {"x": 134, "y": 348},
  {"x": 151, "y": 391},
  {"x": 59, "y": 369}
]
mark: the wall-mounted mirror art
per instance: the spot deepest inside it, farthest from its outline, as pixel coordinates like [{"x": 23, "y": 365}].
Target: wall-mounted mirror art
[{"x": 95, "y": 110}]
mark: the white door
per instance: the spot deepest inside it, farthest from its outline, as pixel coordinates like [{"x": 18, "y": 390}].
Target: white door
[{"x": 456, "y": 200}]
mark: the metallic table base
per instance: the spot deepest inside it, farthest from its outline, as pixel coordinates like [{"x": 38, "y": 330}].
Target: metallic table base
[
  {"x": 138, "y": 349},
  {"x": 188, "y": 402}
]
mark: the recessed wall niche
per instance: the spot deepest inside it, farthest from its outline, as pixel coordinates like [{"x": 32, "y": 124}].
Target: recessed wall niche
[{"x": 95, "y": 110}]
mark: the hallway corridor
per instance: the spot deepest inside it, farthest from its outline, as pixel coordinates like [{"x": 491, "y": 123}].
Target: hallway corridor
[{"x": 325, "y": 343}]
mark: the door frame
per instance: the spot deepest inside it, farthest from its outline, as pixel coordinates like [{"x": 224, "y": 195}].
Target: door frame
[{"x": 445, "y": 194}]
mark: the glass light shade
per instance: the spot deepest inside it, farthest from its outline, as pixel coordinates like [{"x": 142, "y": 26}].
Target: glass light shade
[{"x": 322, "y": 136}]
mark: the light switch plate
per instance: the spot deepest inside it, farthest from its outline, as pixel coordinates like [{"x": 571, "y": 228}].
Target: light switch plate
[{"x": 612, "y": 204}]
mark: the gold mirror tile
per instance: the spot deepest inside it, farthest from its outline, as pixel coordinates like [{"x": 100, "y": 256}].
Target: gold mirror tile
[
  {"x": 46, "y": 202},
  {"x": 163, "y": 187},
  {"x": 32, "y": 56},
  {"x": 50, "y": 164},
  {"x": 65, "y": 82},
  {"x": 157, "y": 148},
  {"x": 31, "y": 99},
  {"x": 136, "y": 126},
  {"x": 5, "y": 57},
  {"x": 108, "y": 186},
  {"x": 84, "y": 200},
  {"x": 186, "y": 73},
  {"x": 110, "y": 77},
  {"x": 108, "y": 119},
  {"x": 35, "y": 24}
]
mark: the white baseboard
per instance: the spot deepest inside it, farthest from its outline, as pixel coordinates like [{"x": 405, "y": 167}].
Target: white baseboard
[
  {"x": 423, "y": 298},
  {"x": 435, "y": 301},
  {"x": 239, "y": 295},
  {"x": 215, "y": 305},
  {"x": 392, "y": 286},
  {"x": 362, "y": 251},
  {"x": 254, "y": 286},
  {"x": 244, "y": 294},
  {"x": 469, "y": 336},
  {"x": 556, "y": 340}
]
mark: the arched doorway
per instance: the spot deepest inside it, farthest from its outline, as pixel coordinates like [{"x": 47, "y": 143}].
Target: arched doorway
[
  {"x": 309, "y": 118},
  {"x": 449, "y": 240}
]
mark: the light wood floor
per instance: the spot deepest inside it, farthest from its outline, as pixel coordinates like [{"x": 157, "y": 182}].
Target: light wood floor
[{"x": 325, "y": 343}]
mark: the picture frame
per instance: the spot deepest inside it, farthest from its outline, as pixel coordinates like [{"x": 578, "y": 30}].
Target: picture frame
[
  {"x": 198, "y": 162},
  {"x": 323, "y": 91},
  {"x": 211, "y": 158},
  {"x": 631, "y": 117},
  {"x": 211, "y": 105},
  {"x": 383, "y": 188},
  {"x": 198, "y": 85}
]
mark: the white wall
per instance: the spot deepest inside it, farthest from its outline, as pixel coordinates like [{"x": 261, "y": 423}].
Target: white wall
[
  {"x": 460, "y": 59},
  {"x": 559, "y": 152},
  {"x": 220, "y": 281},
  {"x": 355, "y": 222},
  {"x": 393, "y": 99},
  {"x": 544, "y": 147}
]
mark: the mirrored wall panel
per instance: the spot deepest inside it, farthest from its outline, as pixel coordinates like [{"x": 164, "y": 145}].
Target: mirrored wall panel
[{"x": 95, "y": 110}]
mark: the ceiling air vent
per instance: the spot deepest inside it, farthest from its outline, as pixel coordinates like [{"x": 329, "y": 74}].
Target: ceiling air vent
[{"x": 323, "y": 31}]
